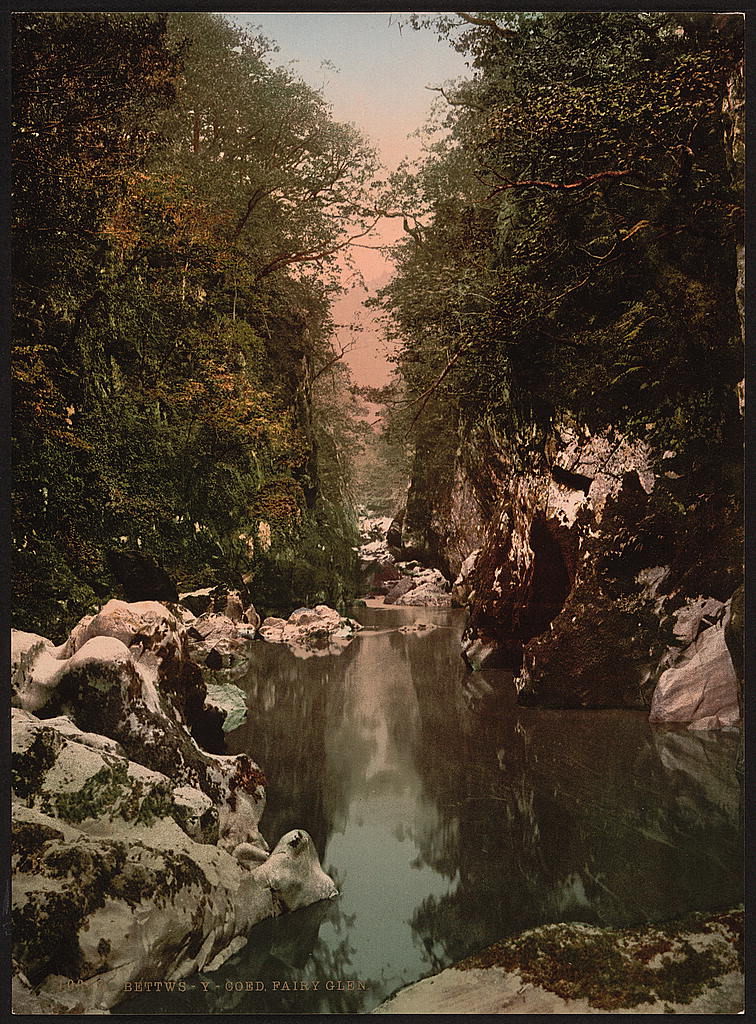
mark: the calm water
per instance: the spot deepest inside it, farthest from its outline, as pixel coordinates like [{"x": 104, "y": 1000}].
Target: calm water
[{"x": 449, "y": 817}]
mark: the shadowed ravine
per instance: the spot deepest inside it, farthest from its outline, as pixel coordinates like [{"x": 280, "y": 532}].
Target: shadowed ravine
[{"x": 450, "y": 817}]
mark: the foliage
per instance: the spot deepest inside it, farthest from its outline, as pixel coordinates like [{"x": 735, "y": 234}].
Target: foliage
[
  {"x": 178, "y": 208},
  {"x": 571, "y": 248}
]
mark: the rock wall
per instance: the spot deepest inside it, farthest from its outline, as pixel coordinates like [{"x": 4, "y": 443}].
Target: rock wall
[
  {"x": 136, "y": 853},
  {"x": 585, "y": 559}
]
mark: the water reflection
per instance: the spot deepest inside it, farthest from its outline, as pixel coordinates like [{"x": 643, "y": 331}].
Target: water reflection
[{"x": 451, "y": 817}]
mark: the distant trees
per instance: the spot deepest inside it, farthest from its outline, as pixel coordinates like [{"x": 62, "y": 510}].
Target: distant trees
[{"x": 178, "y": 206}]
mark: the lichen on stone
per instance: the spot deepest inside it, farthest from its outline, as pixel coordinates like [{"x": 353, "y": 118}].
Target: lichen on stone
[{"x": 621, "y": 969}]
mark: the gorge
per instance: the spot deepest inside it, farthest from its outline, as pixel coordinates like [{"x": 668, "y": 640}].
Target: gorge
[{"x": 331, "y": 695}]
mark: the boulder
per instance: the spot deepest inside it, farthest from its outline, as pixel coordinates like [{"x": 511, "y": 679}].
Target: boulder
[
  {"x": 315, "y": 628},
  {"x": 107, "y": 689},
  {"x": 701, "y": 688},
  {"x": 95, "y": 909},
  {"x": 136, "y": 854},
  {"x": 294, "y": 875},
  {"x": 216, "y": 641},
  {"x": 399, "y": 590},
  {"x": 690, "y": 966},
  {"x": 158, "y": 641},
  {"x": 427, "y": 595}
]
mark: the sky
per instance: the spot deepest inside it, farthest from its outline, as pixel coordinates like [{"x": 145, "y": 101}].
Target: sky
[{"x": 375, "y": 78}]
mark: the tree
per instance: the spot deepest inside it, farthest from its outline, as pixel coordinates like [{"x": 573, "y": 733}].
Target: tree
[{"x": 573, "y": 250}]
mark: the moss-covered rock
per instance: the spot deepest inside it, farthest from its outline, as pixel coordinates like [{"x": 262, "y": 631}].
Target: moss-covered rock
[{"x": 694, "y": 965}]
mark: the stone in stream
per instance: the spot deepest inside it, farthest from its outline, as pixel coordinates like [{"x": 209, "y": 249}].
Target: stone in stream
[
  {"x": 216, "y": 641},
  {"x": 311, "y": 629}
]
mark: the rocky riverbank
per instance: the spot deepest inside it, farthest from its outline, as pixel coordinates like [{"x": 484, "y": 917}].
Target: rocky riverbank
[
  {"x": 137, "y": 852},
  {"x": 689, "y": 966},
  {"x": 404, "y": 582}
]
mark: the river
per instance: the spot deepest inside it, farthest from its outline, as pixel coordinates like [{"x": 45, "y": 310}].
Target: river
[{"x": 450, "y": 817}]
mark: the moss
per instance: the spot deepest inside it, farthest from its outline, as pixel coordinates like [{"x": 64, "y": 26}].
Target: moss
[
  {"x": 616, "y": 970},
  {"x": 247, "y": 777},
  {"x": 28, "y": 840},
  {"x": 29, "y": 769}
]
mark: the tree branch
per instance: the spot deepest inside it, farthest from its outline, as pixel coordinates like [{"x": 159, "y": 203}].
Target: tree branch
[
  {"x": 554, "y": 185},
  {"x": 454, "y": 102},
  {"x": 506, "y": 33},
  {"x": 331, "y": 362},
  {"x": 424, "y": 398}
]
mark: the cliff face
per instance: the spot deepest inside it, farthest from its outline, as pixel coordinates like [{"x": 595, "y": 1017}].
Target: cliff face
[{"x": 606, "y": 570}]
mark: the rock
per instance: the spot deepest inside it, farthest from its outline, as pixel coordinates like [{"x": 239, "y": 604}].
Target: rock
[
  {"x": 230, "y": 700},
  {"x": 373, "y": 527},
  {"x": 194, "y": 813},
  {"x": 198, "y": 601},
  {"x": 252, "y": 618},
  {"x": 689, "y": 966},
  {"x": 220, "y": 600},
  {"x": 22, "y": 642},
  {"x": 92, "y": 912},
  {"x": 216, "y": 641},
  {"x": 272, "y": 629},
  {"x": 462, "y": 587},
  {"x": 315, "y": 628},
  {"x": 293, "y": 873},
  {"x": 141, "y": 577},
  {"x": 399, "y": 590},
  {"x": 688, "y": 620},
  {"x": 422, "y": 574},
  {"x": 418, "y": 627},
  {"x": 232, "y": 607},
  {"x": 104, "y": 690},
  {"x": 701, "y": 689},
  {"x": 481, "y": 652},
  {"x": 378, "y": 576},
  {"x": 427, "y": 595},
  {"x": 247, "y": 853},
  {"x": 123, "y": 827},
  {"x": 78, "y": 781}
]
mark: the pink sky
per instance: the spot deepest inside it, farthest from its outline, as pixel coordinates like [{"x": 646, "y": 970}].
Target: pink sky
[{"x": 376, "y": 78}]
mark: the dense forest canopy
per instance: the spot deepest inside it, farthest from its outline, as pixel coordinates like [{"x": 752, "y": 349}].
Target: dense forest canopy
[
  {"x": 179, "y": 208},
  {"x": 571, "y": 254},
  {"x": 182, "y": 212}
]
